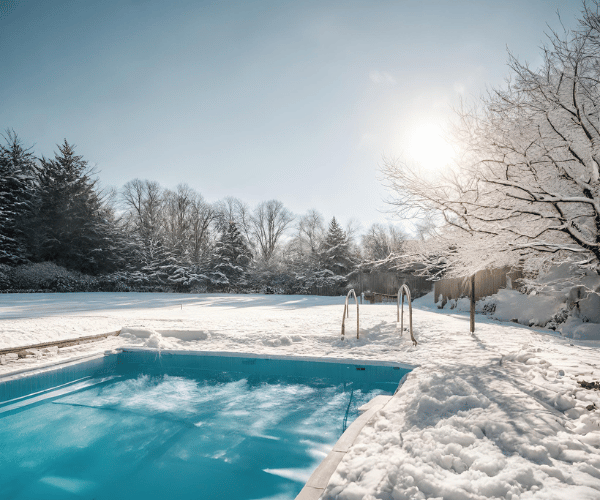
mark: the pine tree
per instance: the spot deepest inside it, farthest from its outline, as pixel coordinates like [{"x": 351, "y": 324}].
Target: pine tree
[
  {"x": 17, "y": 169},
  {"x": 231, "y": 258},
  {"x": 157, "y": 264},
  {"x": 74, "y": 226},
  {"x": 335, "y": 252}
]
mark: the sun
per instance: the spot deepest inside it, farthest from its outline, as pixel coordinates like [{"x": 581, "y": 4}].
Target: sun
[{"x": 427, "y": 147}]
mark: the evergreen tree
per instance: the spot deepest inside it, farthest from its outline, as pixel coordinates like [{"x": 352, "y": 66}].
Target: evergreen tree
[
  {"x": 75, "y": 228},
  {"x": 17, "y": 169},
  {"x": 335, "y": 252},
  {"x": 231, "y": 257},
  {"x": 157, "y": 263}
]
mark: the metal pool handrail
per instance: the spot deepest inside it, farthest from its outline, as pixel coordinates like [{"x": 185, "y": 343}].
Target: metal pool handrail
[
  {"x": 347, "y": 313},
  {"x": 400, "y": 317}
]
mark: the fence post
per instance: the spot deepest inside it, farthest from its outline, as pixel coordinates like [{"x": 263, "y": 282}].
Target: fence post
[{"x": 473, "y": 303}]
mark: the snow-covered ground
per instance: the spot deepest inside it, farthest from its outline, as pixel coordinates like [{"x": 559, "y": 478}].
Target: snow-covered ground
[{"x": 495, "y": 415}]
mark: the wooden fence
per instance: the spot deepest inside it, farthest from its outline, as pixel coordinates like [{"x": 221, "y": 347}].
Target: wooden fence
[
  {"x": 389, "y": 283},
  {"x": 382, "y": 283},
  {"x": 328, "y": 291},
  {"x": 487, "y": 282}
]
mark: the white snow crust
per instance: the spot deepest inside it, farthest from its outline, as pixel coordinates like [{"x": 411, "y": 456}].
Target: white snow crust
[{"x": 497, "y": 414}]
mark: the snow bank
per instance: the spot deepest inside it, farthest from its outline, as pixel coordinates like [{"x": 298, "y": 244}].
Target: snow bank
[
  {"x": 531, "y": 310},
  {"x": 557, "y": 300},
  {"x": 457, "y": 432},
  {"x": 575, "y": 328},
  {"x": 511, "y": 305}
]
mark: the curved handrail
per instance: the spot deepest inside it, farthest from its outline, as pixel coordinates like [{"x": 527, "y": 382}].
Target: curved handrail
[
  {"x": 400, "y": 317},
  {"x": 347, "y": 313}
]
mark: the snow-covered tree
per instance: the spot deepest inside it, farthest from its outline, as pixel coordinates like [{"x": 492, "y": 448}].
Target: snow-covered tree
[
  {"x": 231, "y": 258},
  {"x": 17, "y": 169},
  {"x": 311, "y": 232},
  {"x": 143, "y": 220},
  {"x": 380, "y": 242},
  {"x": 233, "y": 209},
  {"x": 302, "y": 253},
  {"x": 269, "y": 221},
  {"x": 73, "y": 226},
  {"x": 336, "y": 255},
  {"x": 529, "y": 181},
  {"x": 202, "y": 217},
  {"x": 158, "y": 264},
  {"x": 177, "y": 220}
]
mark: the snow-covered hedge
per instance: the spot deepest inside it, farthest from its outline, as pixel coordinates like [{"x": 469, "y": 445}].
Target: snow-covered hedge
[{"x": 49, "y": 277}]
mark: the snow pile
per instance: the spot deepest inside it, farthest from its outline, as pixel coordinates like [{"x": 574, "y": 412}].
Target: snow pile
[
  {"x": 161, "y": 339},
  {"x": 283, "y": 340},
  {"x": 456, "y": 432},
  {"x": 511, "y": 305},
  {"x": 577, "y": 329},
  {"x": 498, "y": 414},
  {"x": 535, "y": 309}
]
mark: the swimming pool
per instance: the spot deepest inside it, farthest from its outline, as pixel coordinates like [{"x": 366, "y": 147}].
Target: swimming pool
[{"x": 177, "y": 425}]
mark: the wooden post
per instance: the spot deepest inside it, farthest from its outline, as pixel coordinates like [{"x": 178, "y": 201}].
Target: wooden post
[
  {"x": 357, "y": 325},
  {"x": 473, "y": 304}
]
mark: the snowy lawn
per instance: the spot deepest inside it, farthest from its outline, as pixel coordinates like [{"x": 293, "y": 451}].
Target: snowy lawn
[{"x": 495, "y": 415}]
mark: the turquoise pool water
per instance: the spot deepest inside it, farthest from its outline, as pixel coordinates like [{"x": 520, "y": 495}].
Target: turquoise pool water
[{"x": 141, "y": 426}]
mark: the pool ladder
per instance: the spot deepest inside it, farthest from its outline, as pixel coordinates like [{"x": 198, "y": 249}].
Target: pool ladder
[
  {"x": 400, "y": 312},
  {"x": 347, "y": 314},
  {"x": 402, "y": 291}
]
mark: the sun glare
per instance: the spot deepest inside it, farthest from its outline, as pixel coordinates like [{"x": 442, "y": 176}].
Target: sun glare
[{"x": 427, "y": 147}]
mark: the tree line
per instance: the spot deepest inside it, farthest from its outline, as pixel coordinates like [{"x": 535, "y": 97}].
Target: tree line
[{"x": 146, "y": 237}]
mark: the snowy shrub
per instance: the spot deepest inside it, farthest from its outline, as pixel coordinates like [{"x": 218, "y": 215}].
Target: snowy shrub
[
  {"x": 199, "y": 288},
  {"x": 280, "y": 283},
  {"x": 462, "y": 304},
  {"x": 577, "y": 329},
  {"x": 115, "y": 282},
  {"x": 51, "y": 277},
  {"x": 535, "y": 309},
  {"x": 183, "y": 279},
  {"x": 218, "y": 282},
  {"x": 488, "y": 308},
  {"x": 558, "y": 319}
]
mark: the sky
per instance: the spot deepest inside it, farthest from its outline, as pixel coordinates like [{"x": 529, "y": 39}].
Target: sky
[{"x": 298, "y": 101}]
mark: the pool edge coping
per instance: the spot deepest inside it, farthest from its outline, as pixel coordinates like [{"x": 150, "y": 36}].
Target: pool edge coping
[
  {"x": 236, "y": 354},
  {"x": 317, "y": 482},
  {"x": 36, "y": 370},
  {"x": 284, "y": 357}
]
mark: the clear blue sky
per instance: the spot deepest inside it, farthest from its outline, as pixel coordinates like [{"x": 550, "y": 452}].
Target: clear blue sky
[{"x": 294, "y": 100}]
